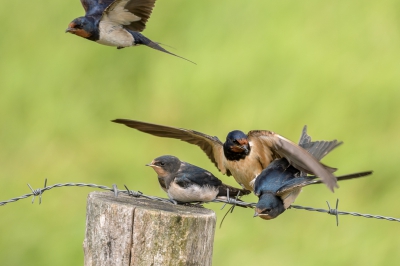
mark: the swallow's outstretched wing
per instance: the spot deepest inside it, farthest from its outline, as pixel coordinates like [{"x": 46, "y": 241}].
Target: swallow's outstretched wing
[
  {"x": 266, "y": 141},
  {"x": 132, "y": 14},
  {"x": 95, "y": 7},
  {"x": 318, "y": 149},
  {"x": 212, "y": 146}
]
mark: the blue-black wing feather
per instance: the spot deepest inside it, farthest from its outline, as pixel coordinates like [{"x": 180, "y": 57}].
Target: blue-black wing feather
[
  {"x": 95, "y": 7},
  {"x": 192, "y": 175}
]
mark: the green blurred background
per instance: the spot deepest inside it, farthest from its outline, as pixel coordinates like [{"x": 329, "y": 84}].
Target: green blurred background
[{"x": 275, "y": 65}]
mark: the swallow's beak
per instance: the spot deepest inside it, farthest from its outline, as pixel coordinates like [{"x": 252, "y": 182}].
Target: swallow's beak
[
  {"x": 245, "y": 149},
  {"x": 244, "y": 145},
  {"x": 69, "y": 30},
  {"x": 151, "y": 164},
  {"x": 258, "y": 213},
  {"x": 240, "y": 149}
]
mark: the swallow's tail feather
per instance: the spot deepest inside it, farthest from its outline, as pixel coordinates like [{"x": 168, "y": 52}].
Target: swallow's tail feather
[
  {"x": 347, "y": 177},
  {"x": 142, "y": 40},
  {"x": 311, "y": 180},
  {"x": 233, "y": 192}
]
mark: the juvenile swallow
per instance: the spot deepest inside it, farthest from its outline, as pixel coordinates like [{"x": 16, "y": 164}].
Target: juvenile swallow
[
  {"x": 185, "y": 182},
  {"x": 116, "y": 23},
  {"x": 243, "y": 156},
  {"x": 280, "y": 183}
]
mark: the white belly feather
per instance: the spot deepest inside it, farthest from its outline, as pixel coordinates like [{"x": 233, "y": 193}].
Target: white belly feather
[
  {"x": 113, "y": 34},
  {"x": 192, "y": 193}
]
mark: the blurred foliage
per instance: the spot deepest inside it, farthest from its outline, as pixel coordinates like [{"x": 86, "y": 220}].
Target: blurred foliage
[{"x": 275, "y": 65}]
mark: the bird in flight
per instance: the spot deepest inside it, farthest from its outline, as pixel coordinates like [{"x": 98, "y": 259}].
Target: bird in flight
[
  {"x": 243, "y": 156},
  {"x": 116, "y": 23}
]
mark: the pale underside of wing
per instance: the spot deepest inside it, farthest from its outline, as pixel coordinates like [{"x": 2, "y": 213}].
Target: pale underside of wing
[
  {"x": 296, "y": 155},
  {"x": 133, "y": 14},
  {"x": 212, "y": 146},
  {"x": 290, "y": 196}
]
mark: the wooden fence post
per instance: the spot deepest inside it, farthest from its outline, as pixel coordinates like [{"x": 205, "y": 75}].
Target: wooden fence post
[{"x": 134, "y": 231}]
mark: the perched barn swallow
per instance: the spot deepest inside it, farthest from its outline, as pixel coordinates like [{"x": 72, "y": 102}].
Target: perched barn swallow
[
  {"x": 116, "y": 23},
  {"x": 243, "y": 156},
  {"x": 185, "y": 182},
  {"x": 280, "y": 183}
]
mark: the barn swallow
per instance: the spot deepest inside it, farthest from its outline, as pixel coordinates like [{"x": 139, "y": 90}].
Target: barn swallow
[
  {"x": 185, "y": 182},
  {"x": 243, "y": 156},
  {"x": 116, "y": 23},
  {"x": 280, "y": 183}
]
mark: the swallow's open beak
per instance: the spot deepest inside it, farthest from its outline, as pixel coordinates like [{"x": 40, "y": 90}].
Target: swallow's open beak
[
  {"x": 246, "y": 150},
  {"x": 258, "y": 213},
  {"x": 240, "y": 149}
]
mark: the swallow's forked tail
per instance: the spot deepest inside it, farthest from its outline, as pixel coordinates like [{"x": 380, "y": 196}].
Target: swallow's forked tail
[
  {"x": 140, "y": 39},
  {"x": 346, "y": 177}
]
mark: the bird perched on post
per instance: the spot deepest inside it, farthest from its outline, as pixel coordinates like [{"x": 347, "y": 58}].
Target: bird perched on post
[
  {"x": 280, "y": 183},
  {"x": 116, "y": 23},
  {"x": 185, "y": 182},
  {"x": 243, "y": 156}
]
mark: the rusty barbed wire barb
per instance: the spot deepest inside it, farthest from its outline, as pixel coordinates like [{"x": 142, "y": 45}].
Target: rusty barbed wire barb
[{"x": 228, "y": 200}]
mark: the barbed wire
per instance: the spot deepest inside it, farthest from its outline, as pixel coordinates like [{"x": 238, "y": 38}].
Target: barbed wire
[{"x": 228, "y": 200}]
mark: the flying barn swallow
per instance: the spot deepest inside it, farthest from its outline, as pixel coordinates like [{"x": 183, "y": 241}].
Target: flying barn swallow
[
  {"x": 116, "y": 23},
  {"x": 185, "y": 182},
  {"x": 243, "y": 156},
  {"x": 280, "y": 183}
]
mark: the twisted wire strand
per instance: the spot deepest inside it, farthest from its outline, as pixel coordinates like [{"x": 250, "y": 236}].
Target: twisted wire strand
[
  {"x": 231, "y": 201},
  {"x": 346, "y": 213}
]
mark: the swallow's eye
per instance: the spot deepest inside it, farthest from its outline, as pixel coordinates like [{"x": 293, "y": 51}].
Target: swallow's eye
[
  {"x": 162, "y": 163},
  {"x": 235, "y": 141}
]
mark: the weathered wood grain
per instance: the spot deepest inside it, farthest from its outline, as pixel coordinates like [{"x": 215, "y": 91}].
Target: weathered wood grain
[{"x": 130, "y": 231}]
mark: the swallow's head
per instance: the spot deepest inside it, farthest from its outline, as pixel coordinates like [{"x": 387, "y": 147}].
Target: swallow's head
[
  {"x": 236, "y": 146},
  {"x": 165, "y": 165},
  {"x": 269, "y": 206},
  {"x": 82, "y": 26}
]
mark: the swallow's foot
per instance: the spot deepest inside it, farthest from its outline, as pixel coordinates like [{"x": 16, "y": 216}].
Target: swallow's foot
[
  {"x": 173, "y": 201},
  {"x": 194, "y": 205}
]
